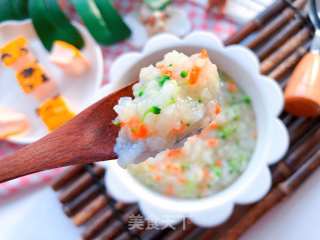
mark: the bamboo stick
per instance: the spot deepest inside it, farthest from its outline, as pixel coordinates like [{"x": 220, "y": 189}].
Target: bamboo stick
[
  {"x": 275, "y": 58},
  {"x": 283, "y": 190},
  {"x": 152, "y": 234},
  {"x": 90, "y": 210},
  {"x": 275, "y": 24},
  {"x": 182, "y": 231},
  {"x": 95, "y": 227},
  {"x": 279, "y": 38},
  {"x": 82, "y": 183},
  {"x": 117, "y": 226},
  {"x": 69, "y": 174},
  {"x": 83, "y": 199},
  {"x": 297, "y": 131},
  {"x": 256, "y": 23},
  {"x": 298, "y": 156},
  {"x": 290, "y": 62}
]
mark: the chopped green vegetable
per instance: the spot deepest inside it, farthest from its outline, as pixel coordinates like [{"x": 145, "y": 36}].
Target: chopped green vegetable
[
  {"x": 170, "y": 65},
  {"x": 234, "y": 166},
  {"x": 246, "y": 99},
  {"x": 236, "y": 117},
  {"x": 116, "y": 123},
  {"x": 190, "y": 188},
  {"x": 237, "y": 163},
  {"x": 226, "y": 132},
  {"x": 185, "y": 166},
  {"x": 183, "y": 74},
  {"x": 140, "y": 93},
  {"x": 172, "y": 100},
  {"x": 217, "y": 171},
  {"x": 199, "y": 101},
  {"x": 154, "y": 109},
  {"x": 163, "y": 79}
]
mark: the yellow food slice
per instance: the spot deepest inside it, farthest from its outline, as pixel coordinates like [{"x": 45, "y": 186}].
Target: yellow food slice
[
  {"x": 54, "y": 112},
  {"x": 31, "y": 76},
  {"x": 12, "y": 51}
]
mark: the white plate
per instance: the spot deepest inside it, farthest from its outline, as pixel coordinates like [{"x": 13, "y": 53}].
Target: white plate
[{"x": 78, "y": 92}]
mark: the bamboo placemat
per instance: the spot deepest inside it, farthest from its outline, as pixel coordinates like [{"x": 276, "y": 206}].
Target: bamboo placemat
[{"x": 279, "y": 36}]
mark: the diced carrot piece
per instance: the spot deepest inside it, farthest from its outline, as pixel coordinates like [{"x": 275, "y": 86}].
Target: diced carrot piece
[
  {"x": 138, "y": 129},
  {"x": 180, "y": 129},
  {"x": 182, "y": 179},
  {"x": 194, "y": 75},
  {"x": 173, "y": 168},
  {"x": 206, "y": 174},
  {"x": 254, "y": 134},
  {"x": 174, "y": 153},
  {"x": 217, "y": 109},
  {"x": 157, "y": 178},
  {"x": 141, "y": 132},
  {"x": 213, "y": 142},
  {"x": 203, "y": 53},
  {"x": 213, "y": 125},
  {"x": 218, "y": 163},
  {"x": 169, "y": 190},
  {"x": 152, "y": 168},
  {"x": 167, "y": 72},
  {"x": 232, "y": 87}
]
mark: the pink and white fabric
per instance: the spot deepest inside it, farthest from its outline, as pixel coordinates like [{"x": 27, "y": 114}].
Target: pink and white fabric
[{"x": 200, "y": 20}]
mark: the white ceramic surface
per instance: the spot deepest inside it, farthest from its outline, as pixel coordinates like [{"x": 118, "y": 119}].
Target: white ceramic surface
[
  {"x": 272, "y": 142},
  {"x": 78, "y": 91}
]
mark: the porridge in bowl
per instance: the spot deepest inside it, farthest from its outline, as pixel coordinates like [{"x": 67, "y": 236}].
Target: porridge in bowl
[{"x": 201, "y": 123}]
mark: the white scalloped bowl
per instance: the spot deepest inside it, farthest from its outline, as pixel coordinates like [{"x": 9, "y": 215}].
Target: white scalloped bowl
[{"x": 272, "y": 141}]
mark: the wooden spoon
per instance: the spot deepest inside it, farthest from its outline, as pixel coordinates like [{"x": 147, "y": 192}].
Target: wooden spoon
[{"x": 87, "y": 138}]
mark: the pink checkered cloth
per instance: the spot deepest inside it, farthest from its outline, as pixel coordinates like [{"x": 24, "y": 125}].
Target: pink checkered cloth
[{"x": 201, "y": 20}]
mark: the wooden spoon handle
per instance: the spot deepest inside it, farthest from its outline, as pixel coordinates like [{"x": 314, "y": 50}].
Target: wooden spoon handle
[
  {"x": 84, "y": 139},
  {"x": 50, "y": 152}
]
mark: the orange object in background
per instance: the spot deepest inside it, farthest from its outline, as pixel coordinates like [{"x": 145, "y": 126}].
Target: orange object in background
[{"x": 302, "y": 94}]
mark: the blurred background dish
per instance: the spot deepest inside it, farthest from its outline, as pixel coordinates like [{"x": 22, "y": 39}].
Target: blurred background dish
[{"x": 77, "y": 91}]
